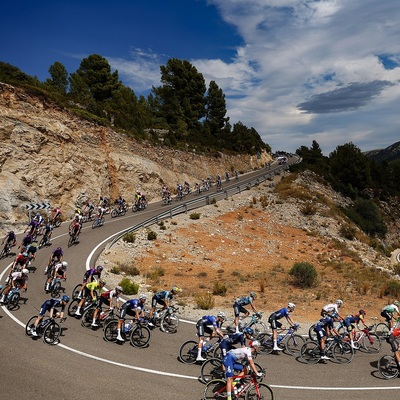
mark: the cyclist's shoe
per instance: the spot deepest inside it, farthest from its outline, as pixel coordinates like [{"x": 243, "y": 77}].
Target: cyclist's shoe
[
  {"x": 95, "y": 324},
  {"x": 33, "y": 332},
  {"x": 149, "y": 323},
  {"x": 78, "y": 313},
  {"x": 277, "y": 348},
  {"x": 120, "y": 338},
  {"x": 324, "y": 357},
  {"x": 200, "y": 358}
]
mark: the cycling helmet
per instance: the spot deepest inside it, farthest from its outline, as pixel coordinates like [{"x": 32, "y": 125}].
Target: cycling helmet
[
  {"x": 254, "y": 343},
  {"x": 25, "y": 254},
  {"x": 99, "y": 268},
  {"x": 175, "y": 289},
  {"x": 222, "y": 315},
  {"x": 119, "y": 288},
  {"x": 291, "y": 306},
  {"x": 11, "y": 232},
  {"x": 65, "y": 264},
  {"x": 65, "y": 298},
  {"x": 362, "y": 312},
  {"x": 253, "y": 295},
  {"x": 142, "y": 297},
  {"x": 339, "y": 302},
  {"x": 249, "y": 331},
  {"x": 25, "y": 271},
  {"x": 102, "y": 282},
  {"x": 397, "y": 303},
  {"x": 58, "y": 249}
]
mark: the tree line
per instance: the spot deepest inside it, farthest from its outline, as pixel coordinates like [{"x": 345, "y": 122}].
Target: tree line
[{"x": 181, "y": 113}]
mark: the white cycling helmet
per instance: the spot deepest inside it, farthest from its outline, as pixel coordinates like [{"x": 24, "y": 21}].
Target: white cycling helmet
[
  {"x": 254, "y": 343},
  {"x": 25, "y": 271},
  {"x": 65, "y": 264},
  {"x": 291, "y": 306},
  {"x": 339, "y": 302},
  {"x": 142, "y": 297},
  {"x": 222, "y": 315}
]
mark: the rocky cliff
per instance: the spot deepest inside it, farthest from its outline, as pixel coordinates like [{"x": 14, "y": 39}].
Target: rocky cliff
[{"x": 49, "y": 154}]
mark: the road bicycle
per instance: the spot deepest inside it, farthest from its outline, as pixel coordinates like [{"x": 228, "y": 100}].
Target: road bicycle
[
  {"x": 136, "y": 331},
  {"x": 189, "y": 350},
  {"x": 13, "y": 296},
  {"x": 213, "y": 369},
  {"x": 251, "y": 389},
  {"x": 54, "y": 287},
  {"x": 287, "y": 340},
  {"x": 6, "y": 250},
  {"x": 118, "y": 212},
  {"x": 338, "y": 325},
  {"x": 73, "y": 239},
  {"x": 139, "y": 206},
  {"x": 166, "y": 319},
  {"x": 44, "y": 241},
  {"x": 48, "y": 329},
  {"x": 382, "y": 329},
  {"x": 388, "y": 367},
  {"x": 103, "y": 317},
  {"x": 335, "y": 348},
  {"x": 252, "y": 321},
  {"x": 365, "y": 339},
  {"x": 98, "y": 221},
  {"x": 73, "y": 305}
]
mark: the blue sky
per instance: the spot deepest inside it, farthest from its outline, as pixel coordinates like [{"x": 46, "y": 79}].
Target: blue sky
[{"x": 295, "y": 70}]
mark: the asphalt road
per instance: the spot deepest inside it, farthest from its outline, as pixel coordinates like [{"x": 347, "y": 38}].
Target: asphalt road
[{"x": 84, "y": 366}]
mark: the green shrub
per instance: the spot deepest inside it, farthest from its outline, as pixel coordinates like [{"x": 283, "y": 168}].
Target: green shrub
[
  {"x": 151, "y": 235},
  {"x": 127, "y": 268},
  {"x": 194, "y": 216},
  {"x": 219, "y": 289},
  {"x": 129, "y": 237},
  {"x": 392, "y": 288},
  {"x": 348, "y": 232},
  {"x": 304, "y": 274},
  {"x": 129, "y": 287},
  {"x": 205, "y": 301}
]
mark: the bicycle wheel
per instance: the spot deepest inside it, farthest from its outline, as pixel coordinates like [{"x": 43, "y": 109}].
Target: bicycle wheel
[
  {"x": 211, "y": 369},
  {"x": 51, "y": 333},
  {"x": 387, "y": 367},
  {"x": 29, "y": 326},
  {"x": 188, "y": 352},
  {"x": 114, "y": 213},
  {"x": 215, "y": 389},
  {"x": 95, "y": 223},
  {"x": 294, "y": 343},
  {"x": 76, "y": 290},
  {"x": 55, "y": 292},
  {"x": 382, "y": 330},
  {"x": 140, "y": 336},
  {"x": 371, "y": 343},
  {"x": 73, "y": 305},
  {"x": 101, "y": 222},
  {"x": 266, "y": 343},
  {"x": 13, "y": 301},
  {"x": 310, "y": 353},
  {"x": 228, "y": 326},
  {"x": 110, "y": 331},
  {"x": 87, "y": 318},
  {"x": 259, "y": 327},
  {"x": 71, "y": 240},
  {"x": 169, "y": 323},
  {"x": 343, "y": 353},
  {"x": 311, "y": 333},
  {"x": 260, "y": 391}
]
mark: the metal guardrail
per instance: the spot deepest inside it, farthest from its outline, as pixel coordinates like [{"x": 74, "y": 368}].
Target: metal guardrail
[{"x": 199, "y": 202}]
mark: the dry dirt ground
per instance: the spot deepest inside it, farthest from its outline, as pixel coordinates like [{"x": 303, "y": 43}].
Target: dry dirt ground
[{"x": 245, "y": 247}]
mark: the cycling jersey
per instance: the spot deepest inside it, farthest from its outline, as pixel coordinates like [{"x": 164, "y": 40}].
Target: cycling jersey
[
  {"x": 323, "y": 323},
  {"x": 10, "y": 237},
  {"x": 165, "y": 295},
  {"x": 232, "y": 339},
  {"x": 244, "y": 301},
  {"x": 51, "y": 304},
  {"x": 391, "y": 308},
  {"x": 90, "y": 273},
  {"x": 57, "y": 253},
  {"x": 130, "y": 308},
  {"x": 331, "y": 308},
  {"x": 283, "y": 312},
  {"x": 93, "y": 286},
  {"x": 209, "y": 321},
  {"x": 20, "y": 277}
]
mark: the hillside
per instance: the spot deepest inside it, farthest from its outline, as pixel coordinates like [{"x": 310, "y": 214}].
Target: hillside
[
  {"x": 389, "y": 154},
  {"x": 49, "y": 154}
]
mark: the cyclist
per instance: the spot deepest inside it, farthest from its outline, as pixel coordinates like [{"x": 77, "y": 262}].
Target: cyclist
[
  {"x": 31, "y": 250},
  {"x": 33, "y": 227},
  {"x": 18, "y": 279},
  {"x": 275, "y": 324},
  {"x": 107, "y": 299},
  {"x": 238, "y": 307},
  {"x": 354, "y": 319},
  {"x": 89, "y": 208},
  {"x": 103, "y": 202},
  {"x": 26, "y": 241},
  {"x": 233, "y": 361},
  {"x": 54, "y": 214},
  {"x": 164, "y": 298},
  {"x": 134, "y": 308},
  {"x": 89, "y": 276},
  {"x": 51, "y": 305},
  {"x": 228, "y": 342},
  {"x": 10, "y": 239},
  {"x": 48, "y": 231},
  {"x": 60, "y": 270},
  {"x": 89, "y": 290},
  {"x": 332, "y": 309},
  {"x": 208, "y": 324},
  {"x": 388, "y": 313},
  {"x": 324, "y": 328},
  {"x": 76, "y": 225},
  {"x": 55, "y": 257},
  {"x": 20, "y": 262},
  {"x": 395, "y": 345}
]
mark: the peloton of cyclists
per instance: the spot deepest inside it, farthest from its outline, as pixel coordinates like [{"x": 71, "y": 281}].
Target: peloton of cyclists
[
  {"x": 51, "y": 305},
  {"x": 275, "y": 324},
  {"x": 211, "y": 325},
  {"x": 134, "y": 308},
  {"x": 238, "y": 307}
]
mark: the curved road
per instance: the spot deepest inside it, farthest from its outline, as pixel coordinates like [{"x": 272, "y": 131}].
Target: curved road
[{"x": 83, "y": 366}]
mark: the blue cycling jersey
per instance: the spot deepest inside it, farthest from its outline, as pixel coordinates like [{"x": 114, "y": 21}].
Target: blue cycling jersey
[
  {"x": 323, "y": 323},
  {"x": 164, "y": 295},
  {"x": 133, "y": 304},
  {"x": 244, "y": 301},
  {"x": 210, "y": 320},
  {"x": 283, "y": 312}
]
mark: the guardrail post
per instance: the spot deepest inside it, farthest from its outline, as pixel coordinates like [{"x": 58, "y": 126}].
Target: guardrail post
[{"x": 208, "y": 200}]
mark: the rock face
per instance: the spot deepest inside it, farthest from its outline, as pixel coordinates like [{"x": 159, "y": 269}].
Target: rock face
[{"x": 50, "y": 154}]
